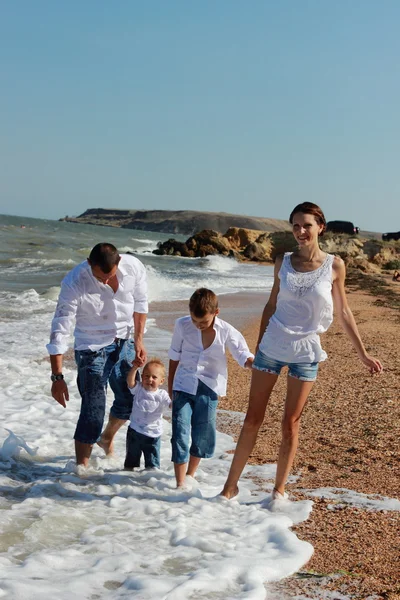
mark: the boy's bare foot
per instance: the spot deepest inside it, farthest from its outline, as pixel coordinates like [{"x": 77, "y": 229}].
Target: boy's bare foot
[
  {"x": 107, "y": 446},
  {"x": 229, "y": 493}
]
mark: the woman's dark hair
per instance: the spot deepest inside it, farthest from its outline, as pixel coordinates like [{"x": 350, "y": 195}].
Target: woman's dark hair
[
  {"x": 203, "y": 302},
  {"x": 105, "y": 256},
  {"x": 308, "y": 208}
]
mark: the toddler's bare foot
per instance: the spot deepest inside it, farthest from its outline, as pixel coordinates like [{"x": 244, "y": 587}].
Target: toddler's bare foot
[
  {"x": 229, "y": 492},
  {"x": 107, "y": 446}
]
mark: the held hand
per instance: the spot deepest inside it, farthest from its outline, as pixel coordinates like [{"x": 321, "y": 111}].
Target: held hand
[
  {"x": 373, "y": 364},
  {"x": 59, "y": 391},
  {"x": 141, "y": 354},
  {"x": 137, "y": 363},
  {"x": 249, "y": 363}
]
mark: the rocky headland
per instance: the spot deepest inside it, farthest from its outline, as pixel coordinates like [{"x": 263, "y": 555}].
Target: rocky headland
[
  {"x": 368, "y": 255},
  {"x": 186, "y": 222}
]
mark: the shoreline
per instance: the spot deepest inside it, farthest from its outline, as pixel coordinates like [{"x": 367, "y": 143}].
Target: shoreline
[{"x": 240, "y": 309}]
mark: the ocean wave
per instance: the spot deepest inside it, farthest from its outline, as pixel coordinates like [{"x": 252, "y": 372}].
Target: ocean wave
[{"x": 180, "y": 284}]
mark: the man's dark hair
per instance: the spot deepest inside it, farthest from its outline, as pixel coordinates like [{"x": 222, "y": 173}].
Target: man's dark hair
[
  {"x": 203, "y": 302},
  {"x": 105, "y": 256}
]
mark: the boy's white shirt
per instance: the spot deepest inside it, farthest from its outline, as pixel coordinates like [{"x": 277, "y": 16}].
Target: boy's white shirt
[
  {"x": 209, "y": 365},
  {"x": 147, "y": 410}
]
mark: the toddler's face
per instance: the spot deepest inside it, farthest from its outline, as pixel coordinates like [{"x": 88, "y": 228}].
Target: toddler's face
[
  {"x": 152, "y": 377},
  {"x": 204, "y": 322}
]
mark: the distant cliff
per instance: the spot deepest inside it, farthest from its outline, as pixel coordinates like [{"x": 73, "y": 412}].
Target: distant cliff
[{"x": 185, "y": 222}]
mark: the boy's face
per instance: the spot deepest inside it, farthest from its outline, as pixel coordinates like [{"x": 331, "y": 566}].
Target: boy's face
[
  {"x": 204, "y": 322},
  {"x": 152, "y": 377}
]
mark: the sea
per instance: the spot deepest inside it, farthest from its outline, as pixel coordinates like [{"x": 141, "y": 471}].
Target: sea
[{"x": 104, "y": 533}]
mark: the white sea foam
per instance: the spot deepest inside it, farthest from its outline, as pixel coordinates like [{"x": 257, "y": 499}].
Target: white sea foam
[
  {"x": 116, "y": 534},
  {"x": 113, "y": 534},
  {"x": 223, "y": 276},
  {"x": 222, "y": 264},
  {"x": 344, "y": 497},
  {"x": 37, "y": 264}
]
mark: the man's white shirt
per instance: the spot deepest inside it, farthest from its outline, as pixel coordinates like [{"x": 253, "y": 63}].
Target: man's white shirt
[
  {"x": 207, "y": 364},
  {"x": 147, "y": 410},
  {"x": 100, "y": 314}
]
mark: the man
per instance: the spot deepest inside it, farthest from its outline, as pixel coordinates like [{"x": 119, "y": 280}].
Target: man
[{"x": 107, "y": 297}]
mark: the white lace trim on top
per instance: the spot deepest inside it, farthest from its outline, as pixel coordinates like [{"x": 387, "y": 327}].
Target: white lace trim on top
[{"x": 300, "y": 283}]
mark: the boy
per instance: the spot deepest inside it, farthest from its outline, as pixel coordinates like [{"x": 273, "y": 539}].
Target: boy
[
  {"x": 149, "y": 402},
  {"x": 197, "y": 376}
]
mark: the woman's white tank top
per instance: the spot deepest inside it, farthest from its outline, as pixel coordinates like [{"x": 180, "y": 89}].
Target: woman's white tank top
[{"x": 304, "y": 310}]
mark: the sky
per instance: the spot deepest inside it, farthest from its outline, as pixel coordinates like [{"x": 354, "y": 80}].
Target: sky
[{"x": 228, "y": 106}]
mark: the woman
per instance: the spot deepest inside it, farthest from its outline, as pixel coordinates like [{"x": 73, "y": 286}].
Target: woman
[{"x": 307, "y": 284}]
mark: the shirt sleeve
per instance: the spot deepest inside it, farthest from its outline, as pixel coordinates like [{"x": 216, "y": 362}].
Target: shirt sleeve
[
  {"x": 63, "y": 319},
  {"x": 166, "y": 399},
  {"x": 175, "y": 349},
  {"x": 140, "y": 290},
  {"x": 237, "y": 346}
]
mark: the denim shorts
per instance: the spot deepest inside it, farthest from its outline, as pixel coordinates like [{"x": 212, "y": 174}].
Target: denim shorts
[
  {"x": 96, "y": 369},
  {"x": 194, "y": 416},
  {"x": 302, "y": 371},
  {"x": 138, "y": 444}
]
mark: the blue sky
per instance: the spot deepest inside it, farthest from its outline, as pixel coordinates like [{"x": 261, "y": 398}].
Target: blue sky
[{"x": 238, "y": 106}]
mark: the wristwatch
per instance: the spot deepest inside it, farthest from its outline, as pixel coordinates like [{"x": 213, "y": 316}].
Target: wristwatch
[{"x": 56, "y": 377}]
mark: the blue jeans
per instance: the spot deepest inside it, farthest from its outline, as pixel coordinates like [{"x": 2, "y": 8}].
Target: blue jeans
[
  {"x": 302, "y": 371},
  {"x": 138, "y": 443},
  {"x": 194, "y": 415},
  {"x": 95, "y": 369}
]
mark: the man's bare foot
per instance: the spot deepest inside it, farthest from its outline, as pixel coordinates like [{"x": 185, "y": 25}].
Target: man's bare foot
[
  {"x": 107, "y": 446},
  {"x": 229, "y": 493}
]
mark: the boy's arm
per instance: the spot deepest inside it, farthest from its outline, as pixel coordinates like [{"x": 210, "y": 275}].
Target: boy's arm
[
  {"x": 239, "y": 349},
  {"x": 173, "y": 365},
  {"x": 131, "y": 377},
  {"x": 174, "y": 354}
]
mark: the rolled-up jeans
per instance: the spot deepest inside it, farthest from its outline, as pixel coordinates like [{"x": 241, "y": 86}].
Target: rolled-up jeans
[{"x": 96, "y": 369}]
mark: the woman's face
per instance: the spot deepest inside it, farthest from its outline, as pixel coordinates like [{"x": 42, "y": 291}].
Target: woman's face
[{"x": 305, "y": 229}]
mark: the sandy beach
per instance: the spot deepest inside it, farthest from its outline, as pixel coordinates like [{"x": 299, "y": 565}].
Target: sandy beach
[{"x": 349, "y": 439}]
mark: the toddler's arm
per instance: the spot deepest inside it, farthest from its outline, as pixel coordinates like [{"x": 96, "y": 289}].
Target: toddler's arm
[{"x": 131, "y": 377}]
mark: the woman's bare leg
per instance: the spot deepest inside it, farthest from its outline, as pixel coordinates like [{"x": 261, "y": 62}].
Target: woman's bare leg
[
  {"x": 296, "y": 398},
  {"x": 262, "y": 384}
]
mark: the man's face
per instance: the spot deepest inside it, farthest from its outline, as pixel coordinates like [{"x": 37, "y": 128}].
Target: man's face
[{"x": 103, "y": 277}]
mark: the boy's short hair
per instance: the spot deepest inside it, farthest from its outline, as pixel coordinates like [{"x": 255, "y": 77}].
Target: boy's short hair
[
  {"x": 155, "y": 361},
  {"x": 203, "y": 302}
]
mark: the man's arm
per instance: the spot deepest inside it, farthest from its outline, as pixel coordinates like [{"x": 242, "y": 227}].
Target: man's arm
[
  {"x": 61, "y": 326},
  {"x": 141, "y": 308},
  {"x": 59, "y": 389},
  {"x": 139, "y": 320}
]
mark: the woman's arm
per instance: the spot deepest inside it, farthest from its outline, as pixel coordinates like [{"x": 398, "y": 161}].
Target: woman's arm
[
  {"x": 346, "y": 317},
  {"x": 270, "y": 307}
]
